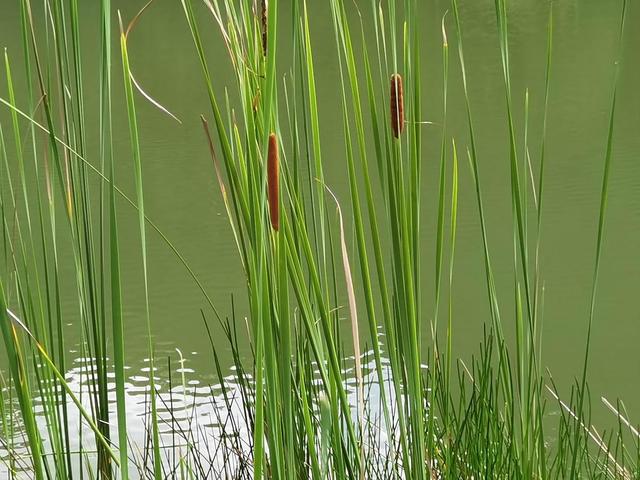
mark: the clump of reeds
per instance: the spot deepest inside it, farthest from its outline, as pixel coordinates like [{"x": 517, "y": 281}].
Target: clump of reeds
[{"x": 297, "y": 394}]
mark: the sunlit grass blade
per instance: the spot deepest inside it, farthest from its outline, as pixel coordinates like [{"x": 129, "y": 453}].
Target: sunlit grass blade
[
  {"x": 137, "y": 161},
  {"x": 604, "y": 195}
]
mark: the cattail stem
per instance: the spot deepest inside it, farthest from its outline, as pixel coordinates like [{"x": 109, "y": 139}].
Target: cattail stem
[
  {"x": 397, "y": 105},
  {"x": 273, "y": 182}
]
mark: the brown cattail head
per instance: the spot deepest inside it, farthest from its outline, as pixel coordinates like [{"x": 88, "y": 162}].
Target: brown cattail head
[
  {"x": 397, "y": 105},
  {"x": 273, "y": 182},
  {"x": 264, "y": 24}
]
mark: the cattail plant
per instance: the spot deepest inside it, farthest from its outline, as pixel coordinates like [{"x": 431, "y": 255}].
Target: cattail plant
[
  {"x": 273, "y": 181},
  {"x": 397, "y": 105},
  {"x": 296, "y": 407}
]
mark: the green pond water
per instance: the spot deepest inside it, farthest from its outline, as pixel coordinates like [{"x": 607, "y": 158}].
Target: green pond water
[{"x": 182, "y": 196}]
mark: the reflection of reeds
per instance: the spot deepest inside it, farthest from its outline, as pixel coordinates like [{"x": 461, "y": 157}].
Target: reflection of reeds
[
  {"x": 397, "y": 105},
  {"x": 273, "y": 184}
]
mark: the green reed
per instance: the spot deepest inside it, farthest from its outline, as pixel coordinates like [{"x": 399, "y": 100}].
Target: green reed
[{"x": 304, "y": 396}]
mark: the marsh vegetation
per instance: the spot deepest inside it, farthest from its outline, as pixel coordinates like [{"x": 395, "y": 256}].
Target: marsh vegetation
[{"x": 331, "y": 346}]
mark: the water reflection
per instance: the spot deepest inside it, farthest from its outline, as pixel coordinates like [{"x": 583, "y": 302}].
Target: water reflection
[{"x": 206, "y": 426}]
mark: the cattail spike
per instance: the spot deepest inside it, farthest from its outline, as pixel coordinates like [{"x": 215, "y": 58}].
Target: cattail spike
[
  {"x": 397, "y": 105},
  {"x": 273, "y": 182},
  {"x": 264, "y": 24}
]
